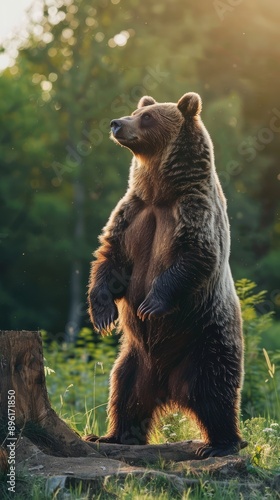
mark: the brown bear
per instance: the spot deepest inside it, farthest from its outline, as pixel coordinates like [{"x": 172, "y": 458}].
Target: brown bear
[{"x": 162, "y": 271}]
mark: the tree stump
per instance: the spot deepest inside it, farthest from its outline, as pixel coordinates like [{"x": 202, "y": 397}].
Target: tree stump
[{"x": 24, "y": 404}]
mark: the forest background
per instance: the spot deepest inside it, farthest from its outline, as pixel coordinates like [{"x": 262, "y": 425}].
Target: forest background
[{"x": 80, "y": 64}]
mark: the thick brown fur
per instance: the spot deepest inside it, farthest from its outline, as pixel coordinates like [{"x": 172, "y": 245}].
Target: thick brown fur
[{"x": 162, "y": 271}]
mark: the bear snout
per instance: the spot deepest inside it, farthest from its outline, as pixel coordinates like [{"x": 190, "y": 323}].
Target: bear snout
[{"x": 116, "y": 126}]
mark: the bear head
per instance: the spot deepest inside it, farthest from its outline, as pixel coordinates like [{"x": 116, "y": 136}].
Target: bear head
[{"x": 152, "y": 126}]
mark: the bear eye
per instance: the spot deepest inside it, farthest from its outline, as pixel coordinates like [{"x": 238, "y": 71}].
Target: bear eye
[{"x": 146, "y": 117}]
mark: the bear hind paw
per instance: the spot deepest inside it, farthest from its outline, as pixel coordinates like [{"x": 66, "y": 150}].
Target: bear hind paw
[
  {"x": 102, "y": 439},
  {"x": 220, "y": 450}
]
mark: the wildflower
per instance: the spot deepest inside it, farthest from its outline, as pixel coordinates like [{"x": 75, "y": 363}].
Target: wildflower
[
  {"x": 183, "y": 419},
  {"x": 166, "y": 426}
]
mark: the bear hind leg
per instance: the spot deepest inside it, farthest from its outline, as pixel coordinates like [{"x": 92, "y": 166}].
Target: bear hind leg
[
  {"x": 217, "y": 418},
  {"x": 213, "y": 401},
  {"x": 132, "y": 401}
]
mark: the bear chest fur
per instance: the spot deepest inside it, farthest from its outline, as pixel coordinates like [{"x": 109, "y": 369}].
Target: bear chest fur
[{"x": 149, "y": 246}]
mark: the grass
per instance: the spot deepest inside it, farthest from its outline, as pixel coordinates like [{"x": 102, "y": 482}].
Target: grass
[
  {"x": 78, "y": 383},
  {"x": 27, "y": 488}
]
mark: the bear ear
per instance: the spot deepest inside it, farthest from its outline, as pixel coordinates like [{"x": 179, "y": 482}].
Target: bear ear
[
  {"x": 146, "y": 100},
  {"x": 190, "y": 104}
]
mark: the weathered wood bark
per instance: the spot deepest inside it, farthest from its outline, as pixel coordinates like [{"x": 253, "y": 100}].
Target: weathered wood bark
[
  {"x": 24, "y": 398},
  {"x": 151, "y": 453}
]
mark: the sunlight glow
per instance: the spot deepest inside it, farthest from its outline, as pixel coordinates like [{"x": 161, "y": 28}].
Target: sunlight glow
[
  {"x": 13, "y": 17},
  {"x": 120, "y": 39},
  {"x": 13, "y": 23}
]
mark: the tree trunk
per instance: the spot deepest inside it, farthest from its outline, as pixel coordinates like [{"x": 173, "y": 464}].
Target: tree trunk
[{"x": 24, "y": 404}]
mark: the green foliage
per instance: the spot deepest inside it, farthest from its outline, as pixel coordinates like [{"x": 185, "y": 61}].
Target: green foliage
[
  {"x": 27, "y": 488},
  {"x": 174, "y": 426},
  {"x": 271, "y": 339},
  {"x": 259, "y": 395},
  {"x": 78, "y": 380},
  {"x": 263, "y": 437}
]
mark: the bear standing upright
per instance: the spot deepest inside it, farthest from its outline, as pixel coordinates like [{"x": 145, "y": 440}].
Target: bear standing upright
[{"x": 163, "y": 271}]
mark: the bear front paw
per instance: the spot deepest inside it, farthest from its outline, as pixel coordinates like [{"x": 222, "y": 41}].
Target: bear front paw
[
  {"x": 103, "y": 310},
  {"x": 153, "y": 307}
]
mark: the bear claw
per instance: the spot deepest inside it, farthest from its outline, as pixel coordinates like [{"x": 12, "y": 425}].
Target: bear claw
[
  {"x": 102, "y": 439},
  {"x": 221, "y": 450},
  {"x": 148, "y": 310},
  {"x": 104, "y": 319}
]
